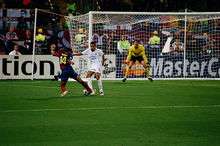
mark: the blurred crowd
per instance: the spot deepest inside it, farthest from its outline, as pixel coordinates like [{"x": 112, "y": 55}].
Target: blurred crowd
[
  {"x": 17, "y": 25},
  {"x": 84, "y": 6},
  {"x": 17, "y": 28}
]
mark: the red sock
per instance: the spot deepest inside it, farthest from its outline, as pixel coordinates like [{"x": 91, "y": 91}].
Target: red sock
[
  {"x": 87, "y": 87},
  {"x": 63, "y": 86}
]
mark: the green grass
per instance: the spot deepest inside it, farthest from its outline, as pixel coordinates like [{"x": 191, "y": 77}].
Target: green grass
[{"x": 135, "y": 113}]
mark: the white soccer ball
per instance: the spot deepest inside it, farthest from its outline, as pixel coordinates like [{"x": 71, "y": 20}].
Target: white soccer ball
[{"x": 85, "y": 91}]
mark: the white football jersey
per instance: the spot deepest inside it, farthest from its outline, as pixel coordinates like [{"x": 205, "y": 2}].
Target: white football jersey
[{"x": 94, "y": 57}]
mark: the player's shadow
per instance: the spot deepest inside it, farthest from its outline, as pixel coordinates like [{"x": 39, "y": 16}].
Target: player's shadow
[{"x": 68, "y": 97}]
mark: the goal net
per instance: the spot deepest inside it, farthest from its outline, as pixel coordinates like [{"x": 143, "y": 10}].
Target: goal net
[{"x": 178, "y": 45}]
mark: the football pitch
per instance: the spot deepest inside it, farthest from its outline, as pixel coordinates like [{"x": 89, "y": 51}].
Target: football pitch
[{"x": 135, "y": 113}]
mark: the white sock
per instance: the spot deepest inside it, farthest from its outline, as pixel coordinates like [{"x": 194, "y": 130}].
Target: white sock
[
  {"x": 89, "y": 81},
  {"x": 100, "y": 85}
]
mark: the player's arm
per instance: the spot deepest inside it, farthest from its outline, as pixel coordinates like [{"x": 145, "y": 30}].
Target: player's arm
[
  {"x": 77, "y": 54},
  {"x": 80, "y": 53},
  {"x": 70, "y": 60},
  {"x": 143, "y": 55},
  {"x": 150, "y": 40}
]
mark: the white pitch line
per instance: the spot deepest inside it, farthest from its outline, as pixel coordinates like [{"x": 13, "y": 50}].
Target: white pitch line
[{"x": 113, "y": 108}]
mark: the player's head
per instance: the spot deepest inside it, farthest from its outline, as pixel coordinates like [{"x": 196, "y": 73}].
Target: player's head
[
  {"x": 155, "y": 33},
  {"x": 123, "y": 37},
  {"x": 16, "y": 47},
  {"x": 81, "y": 30},
  {"x": 40, "y": 30},
  {"x": 205, "y": 34},
  {"x": 64, "y": 50},
  {"x": 136, "y": 42},
  {"x": 53, "y": 47},
  {"x": 93, "y": 45}
]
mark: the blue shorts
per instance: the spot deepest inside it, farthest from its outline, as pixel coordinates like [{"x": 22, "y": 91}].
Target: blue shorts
[{"x": 67, "y": 73}]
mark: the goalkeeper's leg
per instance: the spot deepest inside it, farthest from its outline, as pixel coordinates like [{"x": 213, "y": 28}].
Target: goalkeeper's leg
[
  {"x": 128, "y": 67},
  {"x": 147, "y": 70}
]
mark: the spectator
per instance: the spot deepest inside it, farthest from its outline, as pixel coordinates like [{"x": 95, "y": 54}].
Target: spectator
[
  {"x": 104, "y": 43},
  {"x": 11, "y": 34},
  {"x": 40, "y": 35},
  {"x": 154, "y": 45},
  {"x": 15, "y": 51},
  {"x": 53, "y": 46},
  {"x": 28, "y": 42},
  {"x": 204, "y": 43},
  {"x": 123, "y": 45},
  {"x": 80, "y": 40},
  {"x": 177, "y": 47},
  {"x": 155, "y": 39},
  {"x": 41, "y": 42}
]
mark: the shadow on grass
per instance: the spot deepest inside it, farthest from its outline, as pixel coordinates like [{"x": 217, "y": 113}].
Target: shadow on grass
[{"x": 67, "y": 97}]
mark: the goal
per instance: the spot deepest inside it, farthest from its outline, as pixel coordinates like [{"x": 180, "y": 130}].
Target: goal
[{"x": 188, "y": 46}]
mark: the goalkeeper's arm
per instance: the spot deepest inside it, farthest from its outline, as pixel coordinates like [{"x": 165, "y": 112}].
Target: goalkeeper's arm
[{"x": 129, "y": 56}]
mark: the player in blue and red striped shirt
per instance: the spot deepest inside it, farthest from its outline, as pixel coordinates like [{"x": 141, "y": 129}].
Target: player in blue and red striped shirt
[{"x": 65, "y": 59}]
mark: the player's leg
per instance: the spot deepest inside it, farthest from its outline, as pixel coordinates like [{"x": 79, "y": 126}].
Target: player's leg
[
  {"x": 64, "y": 79},
  {"x": 57, "y": 76},
  {"x": 89, "y": 80},
  {"x": 98, "y": 78},
  {"x": 84, "y": 84},
  {"x": 64, "y": 91},
  {"x": 76, "y": 77},
  {"x": 147, "y": 70},
  {"x": 128, "y": 67}
]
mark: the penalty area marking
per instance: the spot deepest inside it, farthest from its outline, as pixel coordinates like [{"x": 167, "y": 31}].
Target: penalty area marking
[{"x": 112, "y": 108}]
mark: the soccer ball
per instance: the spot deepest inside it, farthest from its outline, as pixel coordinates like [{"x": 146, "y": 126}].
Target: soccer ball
[{"x": 85, "y": 92}]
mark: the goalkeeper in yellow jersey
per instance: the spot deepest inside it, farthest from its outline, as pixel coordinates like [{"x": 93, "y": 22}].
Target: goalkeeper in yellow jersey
[{"x": 137, "y": 53}]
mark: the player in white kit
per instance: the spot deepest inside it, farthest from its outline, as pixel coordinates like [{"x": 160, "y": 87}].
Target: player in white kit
[{"x": 95, "y": 62}]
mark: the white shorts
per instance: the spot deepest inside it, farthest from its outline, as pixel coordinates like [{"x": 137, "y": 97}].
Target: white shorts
[{"x": 95, "y": 68}]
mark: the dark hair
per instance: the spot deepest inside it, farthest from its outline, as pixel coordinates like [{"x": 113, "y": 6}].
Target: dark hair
[
  {"x": 16, "y": 45},
  {"x": 93, "y": 42}
]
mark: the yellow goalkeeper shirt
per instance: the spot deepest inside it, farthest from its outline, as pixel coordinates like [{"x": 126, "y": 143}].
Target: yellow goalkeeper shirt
[{"x": 139, "y": 51}]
